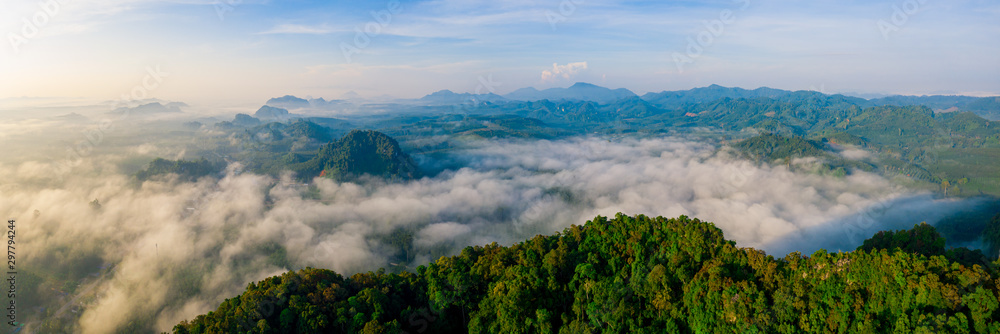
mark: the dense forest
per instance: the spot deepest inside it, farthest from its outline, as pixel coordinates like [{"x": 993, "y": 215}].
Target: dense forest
[
  {"x": 358, "y": 153},
  {"x": 773, "y": 148},
  {"x": 186, "y": 170},
  {"x": 991, "y": 236},
  {"x": 303, "y": 147},
  {"x": 638, "y": 275}
]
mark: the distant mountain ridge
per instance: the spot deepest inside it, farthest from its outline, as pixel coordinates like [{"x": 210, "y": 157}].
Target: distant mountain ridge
[
  {"x": 294, "y": 102},
  {"x": 579, "y": 91},
  {"x": 287, "y": 101},
  {"x": 151, "y": 108},
  {"x": 686, "y": 98},
  {"x": 707, "y": 94},
  {"x": 987, "y": 107},
  {"x": 447, "y": 97},
  {"x": 269, "y": 112},
  {"x": 586, "y": 92}
]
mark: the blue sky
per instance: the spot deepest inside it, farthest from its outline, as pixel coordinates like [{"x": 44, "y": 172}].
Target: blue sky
[{"x": 231, "y": 51}]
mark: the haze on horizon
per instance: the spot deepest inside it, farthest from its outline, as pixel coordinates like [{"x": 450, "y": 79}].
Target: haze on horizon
[{"x": 225, "y": 51}]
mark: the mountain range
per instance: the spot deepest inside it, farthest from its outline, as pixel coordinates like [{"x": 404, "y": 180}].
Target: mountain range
[
  {"x": 151, "y": 108},
  {"x": 986, "y": 107},
  {"x": 579, "y": 91},
  {"x": 293, "y": 102}
]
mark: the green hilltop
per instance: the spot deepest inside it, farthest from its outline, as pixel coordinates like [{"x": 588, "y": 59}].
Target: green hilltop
[
  {"x": 185, "y": 170},
  {"x": 358, "y": 153},
  {"x": 303, "y": 147},
  {"x": 637, "y": 275}
]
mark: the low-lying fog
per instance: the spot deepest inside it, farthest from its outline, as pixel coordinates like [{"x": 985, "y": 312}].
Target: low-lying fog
[{"x": 178, "y": 249}]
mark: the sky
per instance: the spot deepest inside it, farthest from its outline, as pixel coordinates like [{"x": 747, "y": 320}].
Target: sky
[{"x": 246, "y": 51}]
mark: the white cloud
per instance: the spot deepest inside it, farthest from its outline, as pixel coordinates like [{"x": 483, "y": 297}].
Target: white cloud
[
  {"x": 563, "y": 71},
  {"x": 855, "y": 153},
  {"x": 435, "y": 234}
]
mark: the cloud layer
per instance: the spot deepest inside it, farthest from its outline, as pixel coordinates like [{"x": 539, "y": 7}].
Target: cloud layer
[{"x": 179, "y": 249}]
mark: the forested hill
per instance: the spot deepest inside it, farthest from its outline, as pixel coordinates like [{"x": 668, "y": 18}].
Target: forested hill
[
  {"x": 299, "y": 147},
  {"x": 358, "y": 153},
  {"x": 185, "y": 170},
  {"x": 770, "y": 147},
  {"x": 637, "y": 275}
]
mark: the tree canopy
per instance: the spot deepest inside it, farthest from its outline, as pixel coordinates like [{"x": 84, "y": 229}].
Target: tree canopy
[
  {"x": 187, "y": 170},
  {"x": 358, "y": 153},
  {"x": 634, "y": 274}
]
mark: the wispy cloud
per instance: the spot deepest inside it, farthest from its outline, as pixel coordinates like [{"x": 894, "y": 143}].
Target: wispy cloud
[{"x": 301, "y": 29}]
